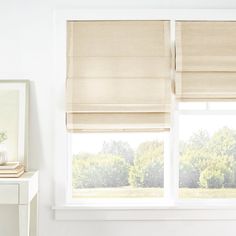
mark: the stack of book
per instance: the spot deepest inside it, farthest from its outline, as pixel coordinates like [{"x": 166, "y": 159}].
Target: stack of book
[{"x": 11, "y": 170}]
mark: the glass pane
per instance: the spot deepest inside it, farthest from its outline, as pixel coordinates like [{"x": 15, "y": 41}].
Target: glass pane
[
  {"x": 223, "y": 106},
  {"x": 118, "y": 165},
  {"x": 207, "y": 156},
  {"x": 185, "y": 106}
]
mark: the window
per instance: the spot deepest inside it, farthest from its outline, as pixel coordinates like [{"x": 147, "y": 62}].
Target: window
[
  {"x": 119, "y": 109},
  {"x": 190, "y": 82},
  {"x": 118, "y": 165},
  {"x": 207, "y": 150},
  {"x": 132, "y": 164},
  {"x": 118, "y": 106}
]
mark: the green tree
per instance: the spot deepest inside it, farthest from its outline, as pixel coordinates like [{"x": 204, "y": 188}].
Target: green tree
[
  {"x": 192, "y": 162},
  {"x": 218, "y": 173},
  {"x": 223, "y": 142},
  {"x": 199, "y": 140},
  {"x": 149, "y": 147},
  {"x": 211, "y": 178},
  {"x": 209, "y": 162},
  {"x": 148, "y": 168},
  {"x": 193, "y": 157},
  {"x": 119, "y": 148},
  {"x": 96, "y": 171}
]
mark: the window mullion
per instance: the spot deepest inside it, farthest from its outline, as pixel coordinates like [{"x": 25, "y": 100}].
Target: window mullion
[{"x": 171, "y": 178}]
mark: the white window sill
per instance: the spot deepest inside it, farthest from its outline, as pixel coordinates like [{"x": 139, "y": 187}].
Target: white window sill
[{"x": 225, "y": 211}]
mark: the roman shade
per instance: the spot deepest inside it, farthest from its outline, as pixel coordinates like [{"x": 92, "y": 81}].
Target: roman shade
[
  {"x": 205, "y": 60},
  {"x": 118, "y": 75}
]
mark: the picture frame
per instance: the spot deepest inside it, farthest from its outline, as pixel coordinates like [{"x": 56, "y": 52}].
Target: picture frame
[{"x": 14, "y": 119}]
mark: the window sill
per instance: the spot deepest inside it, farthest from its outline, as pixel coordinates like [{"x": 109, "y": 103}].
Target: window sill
[{"x": 145, "y": 212}]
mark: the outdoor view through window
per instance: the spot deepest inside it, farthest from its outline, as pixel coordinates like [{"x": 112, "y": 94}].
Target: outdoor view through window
[
  {"x": 118, "y": 165},
  {"x": 207, "y": 150},
  {"x": 131, "y": 165}
]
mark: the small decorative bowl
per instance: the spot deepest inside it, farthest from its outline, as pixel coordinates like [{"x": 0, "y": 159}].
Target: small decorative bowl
[{"x": 3, "y": 157}]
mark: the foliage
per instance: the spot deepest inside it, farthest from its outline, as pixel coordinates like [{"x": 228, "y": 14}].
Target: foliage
[
  {"x": 119, "y": 148},
  {"x": 223, "y": 142},
  {"x": 99, "y": 171},
  {"x": 209, "y": 162},
  {"x": 149, "y": 147},
  {"x": 192, "y": 162},
  {"x": 3, "y": 137},
  {"x": 211, "y": 178},
  {"x": 188, "y": 175},
  {"x": 148, "y": 168},
  {"x": 199, "y": 140},
  {"x": 205, "y": 161},
  {"x": 218, "y": 173}
]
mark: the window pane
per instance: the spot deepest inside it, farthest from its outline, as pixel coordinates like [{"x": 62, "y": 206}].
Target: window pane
[
  {"x": 207, "y": 156},
  {"x": 118, "y": 165},
  {"x": 192, "y": 105},
  {"x": 223, "y": 106}
]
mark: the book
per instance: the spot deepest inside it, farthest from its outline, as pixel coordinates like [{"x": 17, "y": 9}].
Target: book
[
  {"x": 17, "y": 170},
  {"x": 12, "y": 175},
  {"x": 9, "y": 165}
]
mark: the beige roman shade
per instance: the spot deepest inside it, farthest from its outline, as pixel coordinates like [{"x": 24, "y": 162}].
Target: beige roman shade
[
  {"x": 118, "y": 75},
  {"x": 205, "y": 60}
]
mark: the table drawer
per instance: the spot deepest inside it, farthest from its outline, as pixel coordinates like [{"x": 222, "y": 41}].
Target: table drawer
[{"x": 9, "y": 193}]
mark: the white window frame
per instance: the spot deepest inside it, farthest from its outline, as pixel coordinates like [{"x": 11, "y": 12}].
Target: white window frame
[
  {"x": 165, "y": 200},
  {"x": 200, "y": 112},
  {"x": 171, "y": 209}
]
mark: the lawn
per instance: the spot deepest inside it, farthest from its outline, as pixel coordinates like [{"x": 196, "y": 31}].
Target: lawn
[
  {"x": 129, "y": 192},
  {"x": 207, "y": 193}
]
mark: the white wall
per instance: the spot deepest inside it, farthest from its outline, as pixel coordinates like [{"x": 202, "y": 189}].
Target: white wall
[{"x": 26, "y": 46}]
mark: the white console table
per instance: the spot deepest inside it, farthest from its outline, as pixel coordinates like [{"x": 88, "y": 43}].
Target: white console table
[{"x": 21, "y": 191}]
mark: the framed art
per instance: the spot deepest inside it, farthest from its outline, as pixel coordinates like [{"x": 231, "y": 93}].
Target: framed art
[{"x": 14, "y": 118}]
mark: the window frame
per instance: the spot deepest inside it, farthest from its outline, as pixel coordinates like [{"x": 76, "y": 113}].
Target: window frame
[
  {"x": 174, "y": 210},
  {"x": 123, "y": 201},
  {"x": 171, "y": 173},
  {"x": 200, "y": 112}
]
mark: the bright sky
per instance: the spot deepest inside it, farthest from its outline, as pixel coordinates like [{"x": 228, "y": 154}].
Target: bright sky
[
  {"x": 189, "y": 124},
  {"x": 92, "y": 143}
]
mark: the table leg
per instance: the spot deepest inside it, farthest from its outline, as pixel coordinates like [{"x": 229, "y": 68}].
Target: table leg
[
  {"x": 24, "y": 220},
  {"x": 34, "y": 216}
]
